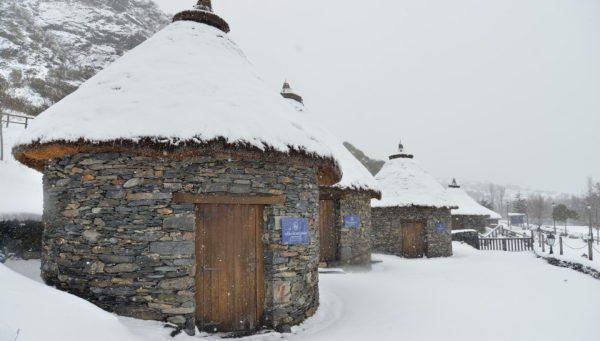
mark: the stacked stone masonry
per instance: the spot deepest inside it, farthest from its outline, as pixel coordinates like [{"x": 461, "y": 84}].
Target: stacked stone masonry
[
  {"x": 470, "y": 237},
  {"x": 114, "y": 236},
  {"x": 354, "y": 246},
  {"x": 21, "y": 238},
  {"x": 387, "y": 229},
  {"x": 475, "y": 222}
]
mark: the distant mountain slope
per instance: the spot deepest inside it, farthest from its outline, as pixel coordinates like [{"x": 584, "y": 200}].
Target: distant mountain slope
[
  {"x": 373, "y": 165},
  {"x": 49, "y": 47}
]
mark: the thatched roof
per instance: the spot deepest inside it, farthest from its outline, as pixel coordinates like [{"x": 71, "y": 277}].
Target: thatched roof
[
  {"x": 355, "y": 177},
  {"x": 188, "y": 85},
  {"x": 203, "y": 13},
  {"x": 404, "y": 183},
  {"x": 467, "y": 205}
]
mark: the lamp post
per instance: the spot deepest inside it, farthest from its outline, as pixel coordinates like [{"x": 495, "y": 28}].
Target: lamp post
[
  {"x": 553, "y": 219},
  {"x": 550, "y": 241},
  {"x": 589, "y": 207},
  {"x": 508, "y": 214}
]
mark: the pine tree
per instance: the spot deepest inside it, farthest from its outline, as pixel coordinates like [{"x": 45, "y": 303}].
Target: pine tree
[{"x": 520, "y": 204}]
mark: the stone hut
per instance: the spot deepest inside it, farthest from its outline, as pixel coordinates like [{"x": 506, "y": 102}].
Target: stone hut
[
  {"x": 413, "y": 218},
  {"x": 178, "y": 188},
  {"x": 345, "y": 208},
  {"x": 470, "y": 214}
]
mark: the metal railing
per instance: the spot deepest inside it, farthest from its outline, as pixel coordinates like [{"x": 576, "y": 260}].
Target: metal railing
[{"x": 8, "y": 119}]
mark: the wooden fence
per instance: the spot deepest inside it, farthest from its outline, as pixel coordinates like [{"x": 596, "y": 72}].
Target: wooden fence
[{"x": 506, "y": 244}]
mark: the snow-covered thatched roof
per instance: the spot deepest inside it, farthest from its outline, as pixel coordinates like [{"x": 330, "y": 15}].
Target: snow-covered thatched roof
[
  {"x": 467, "y": 205},
  {"x": 404, "y": 183},
  {"x": 188, "y": 84},
  {"x": 354, "y": 175}
]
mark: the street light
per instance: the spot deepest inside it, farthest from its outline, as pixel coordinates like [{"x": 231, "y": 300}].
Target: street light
[
  {"x": 550, "y": 241},
  {"x": 589, "y": 207},
  {"x": 553, "y": 207},
  {"x": 508, "y": 215}
]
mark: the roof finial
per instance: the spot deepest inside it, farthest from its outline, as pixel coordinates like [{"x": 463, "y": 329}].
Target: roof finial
[
  {"x": 454, "y": 184},
  {"x": 204, "y": 5},
  {"x": 401, "y": 153},
  {"x": 287, "y": 92},
  {"x": 203, "y": 13}
]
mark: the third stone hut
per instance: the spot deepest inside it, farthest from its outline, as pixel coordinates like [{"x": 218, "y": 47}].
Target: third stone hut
[
  {"x": 413, "y": 218},
  {"x": 470, "y": 214}
]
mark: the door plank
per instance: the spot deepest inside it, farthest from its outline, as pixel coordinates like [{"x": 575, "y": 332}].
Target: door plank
[{"x": 230, "y": 293}]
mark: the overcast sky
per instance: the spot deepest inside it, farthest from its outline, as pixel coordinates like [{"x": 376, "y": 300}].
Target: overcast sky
[{"x": 500, "y": 90}]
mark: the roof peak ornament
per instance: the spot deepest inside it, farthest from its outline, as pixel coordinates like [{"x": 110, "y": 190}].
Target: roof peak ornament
[
  {"x": 204, "y": 5},
  {"x": 287, "y": 92},
  {"x": 203, "y": 13},
  {"x": 454, "y": 184},
  {"x": 401, "y": 153}
]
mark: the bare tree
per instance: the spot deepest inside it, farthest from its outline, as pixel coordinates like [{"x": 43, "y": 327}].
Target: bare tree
[
  {"x": 492, "y": 189},
  {"x": 536, "y": 208},
  {"x": 501, "y": 191}
]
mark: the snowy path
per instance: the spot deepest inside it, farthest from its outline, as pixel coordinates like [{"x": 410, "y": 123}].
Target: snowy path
[{"x": 474, "y": 295}]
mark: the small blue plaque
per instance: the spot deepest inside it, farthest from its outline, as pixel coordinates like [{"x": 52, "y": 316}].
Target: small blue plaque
[
  {"x": 352, "y": 221},
  {"x": 440, "y": 227},
  {"x": 294, "y": 231}
]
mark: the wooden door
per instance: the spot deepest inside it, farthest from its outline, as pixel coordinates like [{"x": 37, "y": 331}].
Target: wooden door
[
  {"x": 229, "y": 268},
  {"x": 327, "y": 234},
  {"x": 413, "y": 239}
]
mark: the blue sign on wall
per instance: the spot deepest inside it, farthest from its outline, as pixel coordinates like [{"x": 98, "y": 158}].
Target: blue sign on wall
[
  {"x": 294, "y": 231},
  {"x": 352, "y": 221},
  {"x": 440, "y": 227}
]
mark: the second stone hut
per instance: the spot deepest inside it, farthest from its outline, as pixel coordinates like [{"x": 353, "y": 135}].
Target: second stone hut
[
  {"x": 344, "y": 208},
  {"x": 413, "y": 218}
]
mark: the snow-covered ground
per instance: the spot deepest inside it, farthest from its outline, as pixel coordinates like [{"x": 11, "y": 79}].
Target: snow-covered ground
[
  {"x": 474, "y": 295},
  {"x": 575, "y": 247},
  {"x": 21, "y": 193}
]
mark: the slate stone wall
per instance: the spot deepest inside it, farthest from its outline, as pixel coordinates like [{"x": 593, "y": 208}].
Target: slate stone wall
[
  {"x": 114, "y": 236},
  {"x": 470, "y": 237},
  {"x": 386, "y": 235},
  {"x": 475, "y": 222},
  {"x": 354, "y": 247},
  {"x": 21, "y": 238}
]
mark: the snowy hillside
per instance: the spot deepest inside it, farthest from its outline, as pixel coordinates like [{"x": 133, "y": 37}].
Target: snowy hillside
[{"x": 48, "y": 48}]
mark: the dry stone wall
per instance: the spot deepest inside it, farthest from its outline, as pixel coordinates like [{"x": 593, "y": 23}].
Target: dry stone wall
[
  {"x": 386, "y": 233},
  {"x": 475, "y": 222},
  {"x": 21, "y": 238},
  {"x": 354, "y": 246},
  {"x": 470, "y": 237},
  {"x": 114, "y": 236}
]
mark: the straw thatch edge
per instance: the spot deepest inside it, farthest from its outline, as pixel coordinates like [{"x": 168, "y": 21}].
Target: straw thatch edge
[
  {"x": 203, "y": 17},
  {"x": 35, "y": 155},
  {"x": 337, "y": 192}
]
